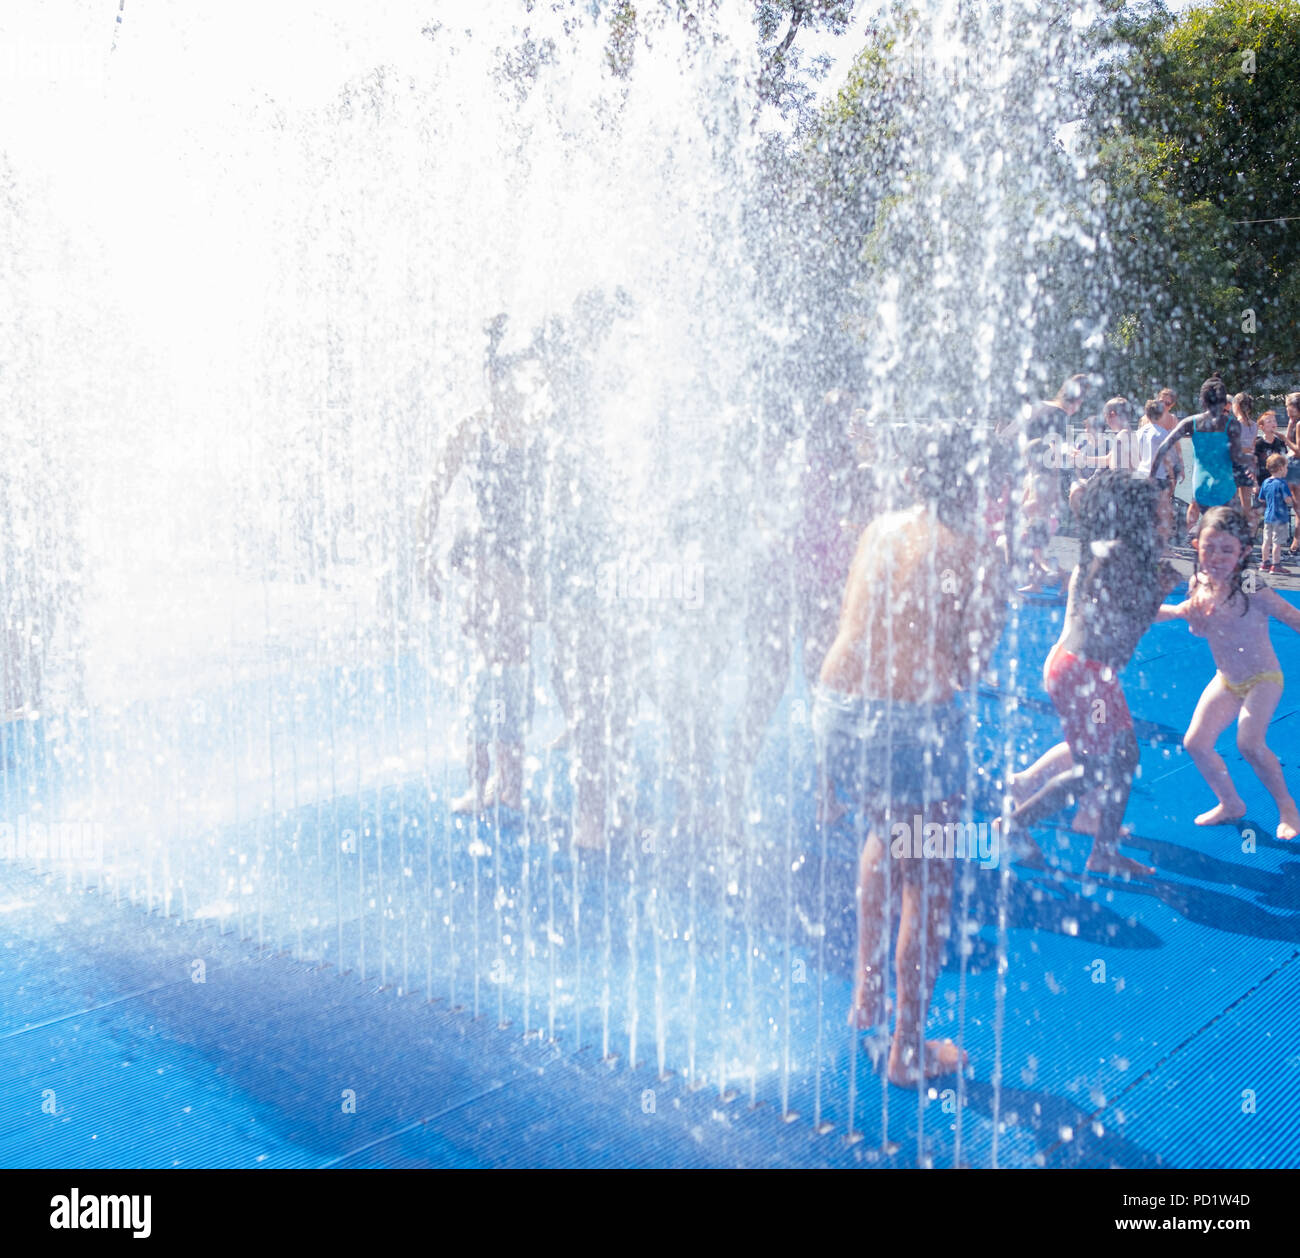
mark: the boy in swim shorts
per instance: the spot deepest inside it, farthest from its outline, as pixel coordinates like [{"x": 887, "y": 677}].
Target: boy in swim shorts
[{"x": 922, "y": 611}]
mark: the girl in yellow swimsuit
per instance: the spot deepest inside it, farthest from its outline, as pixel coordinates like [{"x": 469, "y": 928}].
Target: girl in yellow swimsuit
[{"x": 1248, "y": 684}]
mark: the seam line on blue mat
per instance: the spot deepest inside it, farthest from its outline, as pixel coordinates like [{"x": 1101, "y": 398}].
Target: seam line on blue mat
[
  {"x": 419, "y": 1122},
  {"x": 77, "y": 1013},
  {"x": 1178, "y": 1048}
]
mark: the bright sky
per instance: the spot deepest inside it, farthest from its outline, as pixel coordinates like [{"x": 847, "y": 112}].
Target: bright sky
[{"x": 157, "y": 155}]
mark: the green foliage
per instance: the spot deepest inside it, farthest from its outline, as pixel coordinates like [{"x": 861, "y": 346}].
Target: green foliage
[
  {"x": 938, "y": 229},
  {"x": 788, "y": 79},
  {"x": 1198, "y": 130}
]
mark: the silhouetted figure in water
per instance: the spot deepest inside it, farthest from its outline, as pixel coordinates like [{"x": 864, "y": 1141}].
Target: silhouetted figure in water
[
  {"x": 1042, "y": 438},
  {"x": 923, "y": 609},
  {"x": 796, "y": 575},
  {"x": 590, "y": 666},
  {"x": 1114, "y": 593},
  {"x": 492, "y": 447}
]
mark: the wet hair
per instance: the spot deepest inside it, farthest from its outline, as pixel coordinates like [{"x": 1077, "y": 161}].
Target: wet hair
[
  {"x": 1119, "y": 404},
  {"x": 949, "y": 463},
  {"x": 1075, "y": 389},
  {"x": 1227, "y": 520},
  {"x": 1213, "y": 392},
  {"x": 1118, "y": 506},
  {"x": 1276, "y": 465},
  {"x": 1293, "y": 399},
  {"x": 1152, "y": 410},
  {"x": 1246, "y": 402}
]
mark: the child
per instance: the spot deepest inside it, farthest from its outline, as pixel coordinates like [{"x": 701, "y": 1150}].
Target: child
[
  {"x": 1248, "y": 684},
  {"x": 1221, "y": 460},
  {"x": 1276, "y": 496},
  {"x": 499, "y": 681},
  {"x": 1113, "y": 595},
  {"x": 1243, "y": 407},
  {"x": 921, "y": 613}
]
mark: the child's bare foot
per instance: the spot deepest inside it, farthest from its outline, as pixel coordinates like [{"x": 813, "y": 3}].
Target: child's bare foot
[
  {"x": 493, "y": 795},
  {"x": 1109, "y": 860},
  {"x": 468, "y": 802},
  {"x": 1289, "y": 825},
  {"x": 942, "y": 1057},
  {"x": 1023, "y": 848},
  {"x": 1222, "y": 815}
]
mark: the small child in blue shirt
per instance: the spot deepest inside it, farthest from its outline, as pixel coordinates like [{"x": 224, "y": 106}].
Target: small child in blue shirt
[{"x": 1278, "y": 502}]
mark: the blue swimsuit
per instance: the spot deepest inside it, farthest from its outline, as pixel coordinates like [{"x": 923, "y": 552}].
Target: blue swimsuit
[{"x": 1213, "y": 483}]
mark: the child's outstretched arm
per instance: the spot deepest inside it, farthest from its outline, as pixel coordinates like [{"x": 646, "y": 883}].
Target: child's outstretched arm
[
  {"x": 1176, "y": 434},
  {"x": 1278, "y": 607},
  {"x": 1171, "y": 611}
]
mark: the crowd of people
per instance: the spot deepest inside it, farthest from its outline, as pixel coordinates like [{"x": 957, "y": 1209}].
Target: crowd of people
[
  {"x": 891, "y": 589},
  {"x": 1118, "y": 483}
]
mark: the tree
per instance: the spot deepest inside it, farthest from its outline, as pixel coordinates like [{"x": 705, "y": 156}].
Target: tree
[
  {"x": 935, "y": 228},
  {"x": 1198, "y": 131}
]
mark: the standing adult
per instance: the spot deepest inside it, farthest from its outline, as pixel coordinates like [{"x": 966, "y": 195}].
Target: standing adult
[
  {"x": 1292, "y": 439},
  {"x": 1042, "y": 439},
  {"x": 1158, "y": 421},
  {"x": 1243, "y": 408}
]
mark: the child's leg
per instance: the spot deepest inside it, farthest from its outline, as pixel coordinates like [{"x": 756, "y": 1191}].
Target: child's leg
[
  {"x": 506, "y": 785},
  {"x": 559, "y": 684},
  {"x": 1252, "y": 727},
  {"x": 1113, "y": 775},
  {"x": 1056, "y": 760},
  {"x": 478, "y": 761},
  {"x": 1267, "y": 546},
  {"x": 1060, "y": 791},
  {"x": 922, "y": 931},
  {"x": 1216, "y": 710},
  {"x": 875, "y": 910},
  {"x": 593, "y": 664}
]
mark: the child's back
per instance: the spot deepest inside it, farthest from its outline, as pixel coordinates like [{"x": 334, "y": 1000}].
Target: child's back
[
  {"x": 1119, "y": 582},
  {"x": 1275, "y": 494},
  {"x": 1112, "y": 599}
]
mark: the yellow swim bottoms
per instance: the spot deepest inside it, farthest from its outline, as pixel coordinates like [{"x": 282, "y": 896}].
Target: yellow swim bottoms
[{"x": 1242, "y": 688}]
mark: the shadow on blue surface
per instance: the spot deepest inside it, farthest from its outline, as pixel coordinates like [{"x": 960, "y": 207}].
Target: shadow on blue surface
[{"x": 719, "y": 971}]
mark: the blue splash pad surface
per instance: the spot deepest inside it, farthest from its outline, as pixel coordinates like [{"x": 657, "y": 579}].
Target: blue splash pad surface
[{"x": 1138, "y": 1019}]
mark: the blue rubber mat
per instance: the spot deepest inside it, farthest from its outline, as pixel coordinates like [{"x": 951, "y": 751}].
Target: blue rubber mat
[{"x": 641, "y": 1017}]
